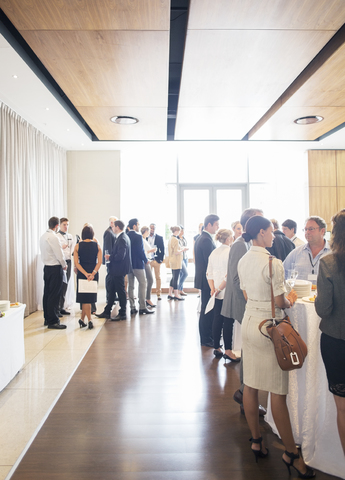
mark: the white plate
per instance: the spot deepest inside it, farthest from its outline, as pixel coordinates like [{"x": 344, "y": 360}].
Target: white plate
[{"x": 306, "y": 299}]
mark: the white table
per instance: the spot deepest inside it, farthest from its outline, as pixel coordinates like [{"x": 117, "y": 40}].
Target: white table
[
  {"x": 12, "y": 351},
  {"x": 311, "y": 405}
]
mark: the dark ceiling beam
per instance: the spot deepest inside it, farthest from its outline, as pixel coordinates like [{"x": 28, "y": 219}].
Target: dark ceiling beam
[
  {"x": 318, "y": 61},
  {"x": 178, "y": 28},
  {"x": 17, "y": 42}
]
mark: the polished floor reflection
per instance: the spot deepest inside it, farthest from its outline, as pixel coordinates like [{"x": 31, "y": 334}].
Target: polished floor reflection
[{"x": 146, "y": 403}]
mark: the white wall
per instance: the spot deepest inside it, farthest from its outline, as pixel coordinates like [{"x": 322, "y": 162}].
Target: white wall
[{"x": 93, "y": 191}]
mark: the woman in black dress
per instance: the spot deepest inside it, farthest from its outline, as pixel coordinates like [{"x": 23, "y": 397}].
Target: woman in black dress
[{"x": 88, "y": 260}]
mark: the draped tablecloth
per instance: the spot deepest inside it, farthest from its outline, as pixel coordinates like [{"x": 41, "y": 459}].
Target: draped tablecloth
[
  {"x": 12, "y": 351},
  {"x": 311, "y": 405}
]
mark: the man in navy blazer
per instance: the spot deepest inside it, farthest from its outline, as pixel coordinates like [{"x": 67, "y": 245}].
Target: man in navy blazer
[
  {"x": 157, "y": 241},
  {"x": 118, "y": 267},
  {"x": 139, "y": 259},
  {"x": 203, "y": 248}
]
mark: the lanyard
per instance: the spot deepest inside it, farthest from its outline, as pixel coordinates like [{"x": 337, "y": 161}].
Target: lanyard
[{"x": 311, "y": 263}]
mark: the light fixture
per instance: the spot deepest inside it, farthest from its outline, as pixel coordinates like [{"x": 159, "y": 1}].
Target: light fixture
[
  {"x": 308, "y": 120},
  {"x": 14, "y": 76},
  {"x": 124, "y": 120}
]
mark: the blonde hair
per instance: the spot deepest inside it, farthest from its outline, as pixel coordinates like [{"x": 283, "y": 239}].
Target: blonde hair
[
  {"x": 144, "y": 229},
  {"x": 175, "y": 228},
  {"x": 223, "y": 234},
  {"x": 275, "y": 224},
  {"x": 233, "y": 225}
]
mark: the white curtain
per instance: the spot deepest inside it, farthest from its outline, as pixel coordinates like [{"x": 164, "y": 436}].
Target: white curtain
[{"x": 32, "y": 189}]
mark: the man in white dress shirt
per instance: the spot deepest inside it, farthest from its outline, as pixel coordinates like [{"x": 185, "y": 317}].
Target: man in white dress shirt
[
  {"x": 54, "y": 264},
  {"x": 66, "y": 241},
  {"x": 289, "y": 228}
]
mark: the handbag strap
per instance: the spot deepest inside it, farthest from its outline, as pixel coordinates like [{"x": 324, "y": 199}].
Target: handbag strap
[{"x": 272, "y": 296}]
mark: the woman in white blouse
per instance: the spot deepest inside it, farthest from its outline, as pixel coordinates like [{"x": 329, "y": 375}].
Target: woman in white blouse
[
  {"x": 149, "y": 251},
  {"x": 216, "y": 273},
  {"x": 260, "y": 367}
]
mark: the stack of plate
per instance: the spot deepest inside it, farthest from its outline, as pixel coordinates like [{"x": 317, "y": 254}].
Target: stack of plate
[
  {"x": 302, "y": 288},
  {"x": 4, "y": 305}
]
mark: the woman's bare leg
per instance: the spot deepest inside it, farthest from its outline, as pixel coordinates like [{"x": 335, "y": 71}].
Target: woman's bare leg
[{"x": 251, "y": 409}]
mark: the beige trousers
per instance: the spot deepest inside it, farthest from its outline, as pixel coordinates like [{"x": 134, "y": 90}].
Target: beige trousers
[{"x": 157, "y": 269}]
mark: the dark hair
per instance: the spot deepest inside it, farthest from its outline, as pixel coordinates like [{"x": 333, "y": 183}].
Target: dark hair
[
  {"x": 52, "y": 222},
  {"x": 87, "y": 233},
  {"x": 211, "y": 218},
  {"x": 290, "y": 224},
  {"x": 64, "y": 219},
  {"x": 247, "y": 214},
  {"x": 132, "y": 222},
  {"x": 254, "y": 225},
  {"x": 337, "y": 242},
  {"x": 120, "y": 224}
]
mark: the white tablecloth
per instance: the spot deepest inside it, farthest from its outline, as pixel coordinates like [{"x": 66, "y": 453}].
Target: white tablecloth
[
  {"x": 311, "y": 405},
  {"x": 12, "y": 351}
]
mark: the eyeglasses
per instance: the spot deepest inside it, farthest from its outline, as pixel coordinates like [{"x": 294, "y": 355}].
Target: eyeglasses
[{"x": 311, "y": 229}]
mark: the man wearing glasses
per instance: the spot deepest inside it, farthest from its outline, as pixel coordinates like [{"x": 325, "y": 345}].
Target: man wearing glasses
[{"x": 306, "y": 258}]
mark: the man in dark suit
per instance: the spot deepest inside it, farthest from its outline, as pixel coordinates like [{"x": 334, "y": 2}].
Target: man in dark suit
[
  {"x": 203, "y": 248},
  {"x": 108, "y": 245},
  {"x": 139, "y": 259},
  {"x": 118, "y": 267},
  {"x": 282, "y": 245},
  {"x": 158, "y": 242}
]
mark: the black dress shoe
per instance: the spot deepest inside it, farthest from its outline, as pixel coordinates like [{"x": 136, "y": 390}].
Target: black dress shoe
[
  {"x": 145, "y": 311},
  {"x": 179, "y": 299},
  {"x": 134, "y": 311},
  {"x": 118, "y": 318},
  {"x": 60, "y": 315},
  {"x": 217, "y": 353},
  {"x": 231, "y": 359},
  {"x": 64, "y": 312},
  {"x": 102, "y": 315},
  {"x": 57, "y": 326},
  {"x": 170, "y": 297}
]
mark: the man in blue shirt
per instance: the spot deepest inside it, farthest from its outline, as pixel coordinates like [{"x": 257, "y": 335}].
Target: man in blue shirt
[{"x": 305, "y": 259}]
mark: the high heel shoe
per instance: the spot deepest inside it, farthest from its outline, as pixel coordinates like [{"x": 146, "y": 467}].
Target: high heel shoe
[
  {"x": 294, "y": 456},
  {"x": 90, "y": 325},
  {"x": 150, "y": 304},
  {"x": 258, "y": 453},
  {"x": 217, "y": 353},
  {"x": 231, "y": 359},
  {"x": 179, "y": 299},
  {"x": 170, "y": 297},
  {"x": 81, "y": 323}
]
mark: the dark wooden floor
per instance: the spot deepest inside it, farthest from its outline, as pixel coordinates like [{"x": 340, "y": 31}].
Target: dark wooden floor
[{"x": 148, "y": 403}]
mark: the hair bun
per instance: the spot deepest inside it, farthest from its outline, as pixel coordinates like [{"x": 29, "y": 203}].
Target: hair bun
[{"x": 247, "y": 237}]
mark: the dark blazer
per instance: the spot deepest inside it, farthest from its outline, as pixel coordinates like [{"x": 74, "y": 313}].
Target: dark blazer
[
  {"x": 159, "y": 243},
  {"x": 282, "y": 245},
  {"x": 120, "y": 258},
  {"x": 138, "y": 255},
  {"x": 108, "y": 242},
  {"x": 204, "y": 246}
]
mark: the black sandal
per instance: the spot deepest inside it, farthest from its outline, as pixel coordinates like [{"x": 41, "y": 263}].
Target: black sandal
[
  {"x": 258, "y": 453},
  {"x": 294, "y": 456}
]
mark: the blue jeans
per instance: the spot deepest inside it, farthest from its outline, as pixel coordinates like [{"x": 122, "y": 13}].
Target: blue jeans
[{"x": 183, "y": 274}]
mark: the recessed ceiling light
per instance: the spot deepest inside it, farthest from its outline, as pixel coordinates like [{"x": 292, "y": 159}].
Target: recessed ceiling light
[
  {"x": 47, "y": 108},
  {"x": 124, "y": 120},
  {"x": 308, "y": 120},
  {"x": 14, "y": 76}
]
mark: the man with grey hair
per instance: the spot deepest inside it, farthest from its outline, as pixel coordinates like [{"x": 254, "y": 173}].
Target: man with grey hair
[{"x": 306, "y": 258}]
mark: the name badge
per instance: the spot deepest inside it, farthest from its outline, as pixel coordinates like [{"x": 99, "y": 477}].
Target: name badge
[{"x": 312, "y": 278}]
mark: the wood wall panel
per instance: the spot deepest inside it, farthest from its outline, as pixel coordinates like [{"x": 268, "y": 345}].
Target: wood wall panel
[
  {"x": 340, "y": 158},
  {"x": 322, "y": 168},
  {"x": 323, "y": 202},
  {"x": 340, "y": 198}
]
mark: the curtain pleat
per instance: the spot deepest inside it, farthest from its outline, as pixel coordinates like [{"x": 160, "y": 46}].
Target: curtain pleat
[{"x": 32, "y": 189}]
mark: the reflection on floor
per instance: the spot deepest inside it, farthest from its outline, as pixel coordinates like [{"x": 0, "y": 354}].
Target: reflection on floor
[
  {"x": 51, "y": 357},
  {"x": 146, "y": 403}
]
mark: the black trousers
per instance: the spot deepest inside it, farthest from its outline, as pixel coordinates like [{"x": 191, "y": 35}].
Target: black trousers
[
  {"x": 116, "y": 285},
  {"x": 64, "y": 285},
  {"x": 205, "y": 320},
  {"x": 52, "y": 290},
  {"x": 222, "y": 323},
  {"x": 174, "y": 279}
]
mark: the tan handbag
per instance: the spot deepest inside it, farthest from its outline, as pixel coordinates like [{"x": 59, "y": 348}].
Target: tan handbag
[{"x": 289, "y": 347}]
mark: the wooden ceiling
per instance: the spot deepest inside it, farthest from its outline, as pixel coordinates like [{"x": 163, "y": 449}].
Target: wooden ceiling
[{"x": 250, "y": 67}]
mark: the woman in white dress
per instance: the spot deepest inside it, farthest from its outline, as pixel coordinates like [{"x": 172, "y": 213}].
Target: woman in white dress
[{"x": 260, "y": 367}]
